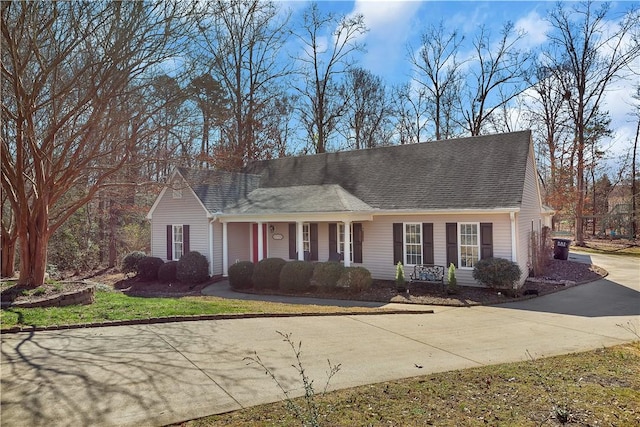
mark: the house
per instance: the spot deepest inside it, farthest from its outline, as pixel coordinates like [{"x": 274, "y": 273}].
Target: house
[{"x": 442, "y": 202}]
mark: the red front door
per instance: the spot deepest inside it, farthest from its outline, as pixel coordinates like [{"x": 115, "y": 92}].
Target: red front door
[{"x": 255, "y": 241}]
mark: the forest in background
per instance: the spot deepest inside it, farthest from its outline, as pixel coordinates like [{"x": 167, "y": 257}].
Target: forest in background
[{"x": 100, "y": 100}]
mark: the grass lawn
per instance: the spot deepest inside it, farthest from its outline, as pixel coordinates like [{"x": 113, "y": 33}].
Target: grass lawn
[
  {"x": 600, "y": 387},
  {"x": 110, "y": 306}
]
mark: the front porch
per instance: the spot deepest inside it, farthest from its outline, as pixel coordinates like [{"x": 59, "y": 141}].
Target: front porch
[{"x": 311, "y": 239}]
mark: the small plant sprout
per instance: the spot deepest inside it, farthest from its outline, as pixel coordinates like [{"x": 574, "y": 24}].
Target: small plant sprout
[{"x": 309, "y": 413}]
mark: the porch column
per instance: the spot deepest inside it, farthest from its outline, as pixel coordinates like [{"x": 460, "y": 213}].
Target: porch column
[
  {"x": 347, "y": 243},
  {"x": 299, "y": 240},
  {"x": 225, "y": 250},
  {"x": 260, "y": 242}
]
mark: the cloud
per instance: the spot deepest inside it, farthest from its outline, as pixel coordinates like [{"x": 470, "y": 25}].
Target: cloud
[
  {"x": 535, "y": 27},
  {"x": 391, "y": 26}
]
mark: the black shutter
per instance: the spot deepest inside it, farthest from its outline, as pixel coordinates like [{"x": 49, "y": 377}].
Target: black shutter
[
  {"x": 427, "y": 243},
  {"x": 398, "y": 243},
  {"x": 169, "y": 242},
  {"x": 185, "y": 239},
  {"x": 292, "y": 241},
  {"x": 452, "y": 243},
  {"x": 313, "y": 237},
  {"x": 333, "y": 239},
  {"x": 486, "y": 240},
  {"x": 357, "y": 243}
]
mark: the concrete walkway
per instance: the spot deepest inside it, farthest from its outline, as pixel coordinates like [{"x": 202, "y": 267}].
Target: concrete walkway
[{"x": 164, "y": 373}]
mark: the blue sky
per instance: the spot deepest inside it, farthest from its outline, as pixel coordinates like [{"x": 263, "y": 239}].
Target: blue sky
[{"x": 395, "y": 25}]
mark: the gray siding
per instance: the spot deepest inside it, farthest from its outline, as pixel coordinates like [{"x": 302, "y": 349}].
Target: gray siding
[
  {"x": 529, "y": 218},
  {"x": 186, "y": 211}
]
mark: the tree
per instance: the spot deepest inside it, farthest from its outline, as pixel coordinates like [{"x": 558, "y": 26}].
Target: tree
[
  {"x": 324, "y": 61},
  {"x": 592, "y": 56},
  {"x": 367, "y": 115},
  {"x": 496, "y": 76},
  {"x": 243, "y": 40},
  {"x": 439, "y": 74},
  {"x": 75, "y": 72},
  {"x": 409, "y": 107}
]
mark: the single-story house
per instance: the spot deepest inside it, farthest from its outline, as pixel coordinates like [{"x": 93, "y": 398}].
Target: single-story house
[{"x": 441, "y": 202}]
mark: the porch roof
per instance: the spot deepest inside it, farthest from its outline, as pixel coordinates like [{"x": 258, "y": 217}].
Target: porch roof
[{"x": 298, "y": 199}]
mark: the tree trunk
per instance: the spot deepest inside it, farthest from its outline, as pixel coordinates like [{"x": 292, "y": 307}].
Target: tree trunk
[
  {"x": 34, "y": 241},
  {"x": 8, "y": 257}
]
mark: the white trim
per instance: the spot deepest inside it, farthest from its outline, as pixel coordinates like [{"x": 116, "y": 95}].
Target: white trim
[
  {"x": 514, "y": 236},
  {"x": 347, "y": 243},
  {"x": 225, "y": 250},
  {"x": 210, "y": 248},
  {"x": 173, "y": 241},
  {"x": 478, "y": 246},
  {"x": 260, "y": 242},
  {"x": 299, "y": 240}
]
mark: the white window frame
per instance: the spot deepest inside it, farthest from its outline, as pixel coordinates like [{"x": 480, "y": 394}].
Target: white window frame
[
  {"x": 470, "y": 248},
  {"x": 306, "y": 237},
  {"x": 175, "y": 242},
  {"x": 340, "y": 239},
  {"x": 418, "y": 244}
]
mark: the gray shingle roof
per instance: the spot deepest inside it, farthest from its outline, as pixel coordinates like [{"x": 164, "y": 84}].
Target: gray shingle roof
[
  {"x": 298, "y": 199},
  {"x": 218, "y": 189},
  {"x": 482, "y": 172}
]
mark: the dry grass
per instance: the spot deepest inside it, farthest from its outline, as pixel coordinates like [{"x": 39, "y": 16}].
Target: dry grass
[{"x": 600, "y": 387}]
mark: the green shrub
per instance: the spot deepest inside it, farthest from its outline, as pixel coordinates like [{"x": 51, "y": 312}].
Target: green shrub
[
  {"x": 296, "y": 275},
  {"x": 498, "y": 273},
  {"x": 452, "y": 282},
  {"x": 266, "y": 274},
  {"x": 130, "y": 262},
  {"x": 355, "y": 279},
  {"x": 401, "y": 282},
  {"x": 167, "y": 272},
  {"x": 326, "y": 274},
  {"x": 240, "y": 275},
  {"x": 192, "y": 267},
  {"x": 148, "y": 268}
]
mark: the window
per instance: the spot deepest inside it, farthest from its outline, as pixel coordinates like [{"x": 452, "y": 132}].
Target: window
[
  {"x": 178, "y": 242},
  {"x": 469, "y": 244},
  {"x": 413, "y": 243},
  {"x": 306, "y": 237},
  {"x": 340, "y": 247}
]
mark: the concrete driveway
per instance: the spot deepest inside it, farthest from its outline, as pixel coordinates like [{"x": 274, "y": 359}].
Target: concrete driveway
[{"x": 165, "y": 373}]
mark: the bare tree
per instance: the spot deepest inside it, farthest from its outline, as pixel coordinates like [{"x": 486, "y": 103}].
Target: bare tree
[
  {"x": 439, "y": 74},
  {"x": 593, "y": 57},
  {"x": 243, "y": 40},
  {"x": 367, "y": 115},
  {"x": 496, "y": 76},
  {"x": 325, "y": 58},
  {"x": 409, "y": 107},
  {"x": 73, "y": 70}
]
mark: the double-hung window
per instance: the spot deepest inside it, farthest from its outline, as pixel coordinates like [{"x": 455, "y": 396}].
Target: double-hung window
[
  {"x": 178, "y": 242},
  {"x": 413, "y": 243},
  {"x": 306, "y": 237},
  {"x": 340, "y": 247},
  {"x": 469, "y": 244}
]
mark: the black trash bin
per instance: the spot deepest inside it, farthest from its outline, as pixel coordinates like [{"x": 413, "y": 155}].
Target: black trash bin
[{"x": 561, "y": 248}]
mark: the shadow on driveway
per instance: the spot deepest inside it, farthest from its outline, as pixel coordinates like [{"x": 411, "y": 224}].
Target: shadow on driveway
[{"x": 596, "y": 299}]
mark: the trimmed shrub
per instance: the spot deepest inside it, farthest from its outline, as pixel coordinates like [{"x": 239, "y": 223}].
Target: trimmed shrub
[
  {"x": 167, "y": 272},
  {"x": 192, "y": 267},
  {"x": 266, "y": 274},
  {"x": 130, "y": 262},
  {"x": 326, "y": 274},
  {"x": 452, "y": 282},
  {"x": 148, "y": 268},
  {"x": 296, "y": 275},
  {"x": 240, "y": 275},
  {"x": 497, "y": 273},
  {"x": 355, "y": 279}
]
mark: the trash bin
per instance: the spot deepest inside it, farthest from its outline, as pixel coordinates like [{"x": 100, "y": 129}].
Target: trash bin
[{"x": 561, "y": 248}]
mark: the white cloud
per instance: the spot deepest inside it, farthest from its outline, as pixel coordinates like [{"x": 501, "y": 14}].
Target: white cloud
[
  {"x": 391, "y": 25},
  {"x": 535, "y": 27}
]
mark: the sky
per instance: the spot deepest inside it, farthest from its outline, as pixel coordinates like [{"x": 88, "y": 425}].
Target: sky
[{"x": 395, "y": 27}]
